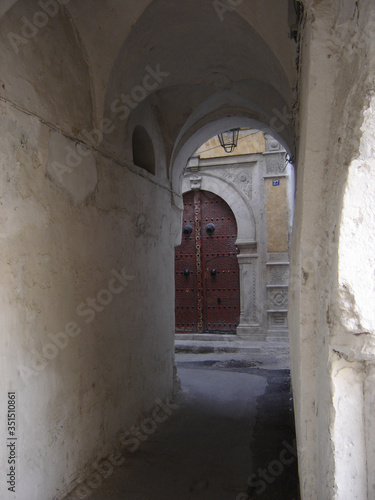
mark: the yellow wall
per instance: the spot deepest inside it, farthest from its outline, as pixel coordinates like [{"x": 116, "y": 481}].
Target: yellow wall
[
  {"x": 277, "y": 209},
  {"x": 248, "y": 143}
]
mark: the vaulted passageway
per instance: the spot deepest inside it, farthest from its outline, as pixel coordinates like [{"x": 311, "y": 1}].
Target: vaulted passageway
[{"x": 89, "y": 219}]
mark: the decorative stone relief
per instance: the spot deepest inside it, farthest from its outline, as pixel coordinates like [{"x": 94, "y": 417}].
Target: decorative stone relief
[
  {"x": 275, "y": 163},
  {"x": 249, "y": 326},
  {"x": 278, "y": 298},
  {"x": 277, "y": 321},
  {"x": 277, "y": 295},
  {"x": 195, "y": 182},
  {"x": 278, "y": 274},
  {"x": 271, "y": 143},
  {"x": 241, "y": 177}
]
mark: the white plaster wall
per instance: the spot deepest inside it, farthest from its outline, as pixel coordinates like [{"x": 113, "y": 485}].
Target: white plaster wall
[
  {"x": 357, "y": 236},
  {"x": 369, "y": 396},
  {"x": 348, "y": 436},
  {"x": 64, "y": 232},
  {"x": 57, "y": 251},
  {"x": 353, "y": 321},
  {"x": 45, "y": 73},
  {"x": 331, "y": 252}
]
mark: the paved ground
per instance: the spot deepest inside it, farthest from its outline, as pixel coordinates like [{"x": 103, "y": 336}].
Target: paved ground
[{"x": 231, "y": 437}]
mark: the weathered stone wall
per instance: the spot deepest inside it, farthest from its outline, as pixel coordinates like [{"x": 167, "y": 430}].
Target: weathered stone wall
[
  {"x": 86, "y": 362},
  {"x": 332, "y": 259},
  {"x": 86, "y": 245},
  {"x": 75, "y": 210}
]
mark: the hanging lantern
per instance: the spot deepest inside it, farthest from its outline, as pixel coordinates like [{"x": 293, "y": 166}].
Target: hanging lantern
[{"x": 228, "y": 140}]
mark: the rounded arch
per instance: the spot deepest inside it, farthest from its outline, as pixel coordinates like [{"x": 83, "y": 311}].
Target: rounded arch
[
  {"x": 234, "y": 198},
  {"x": 193, "y": 139},
  {"x": 144, "y": 119},
  {"x": 190, "y": 82},
  {"x": 243, "y": 52},
  {"x": 268, "y": 112}
]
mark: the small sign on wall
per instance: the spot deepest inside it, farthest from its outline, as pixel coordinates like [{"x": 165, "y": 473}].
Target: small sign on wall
[{"x": 276, "y": 183}]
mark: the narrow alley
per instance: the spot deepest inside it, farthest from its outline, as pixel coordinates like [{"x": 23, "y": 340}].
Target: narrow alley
[{"x": 229, "y": 436}]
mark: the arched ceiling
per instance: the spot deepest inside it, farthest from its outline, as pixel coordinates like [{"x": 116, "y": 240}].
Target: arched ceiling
[
  {"x": 44, "y": 69},
  {"x": 188, "y": 143},
  {"x": 191, "y": 42},
  {"x": 114, "y": 29},
  {"x": 240, "y": 62},
  {"x": 211, "y": 63}
]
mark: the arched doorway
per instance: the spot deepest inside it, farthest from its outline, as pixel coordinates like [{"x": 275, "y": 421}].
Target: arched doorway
[{"x": 206, "y": 267}]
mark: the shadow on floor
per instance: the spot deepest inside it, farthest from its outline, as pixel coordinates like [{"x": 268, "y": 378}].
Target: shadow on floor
[
  {"x": 275, "y": 475},
  {"x": 232, "y": 422},
  {"x": 274, "y": 470}
]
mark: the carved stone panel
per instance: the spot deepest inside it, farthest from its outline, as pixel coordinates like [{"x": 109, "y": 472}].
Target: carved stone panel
[
  {"x": 275, "y": 163},
  {"x": 277, "y": 321},
  {"x": 195, "y": 182},
  {"x": 241, "y": 177},
  {"x": 278, "y": 274},
  {"x": 278, "y": 297}
]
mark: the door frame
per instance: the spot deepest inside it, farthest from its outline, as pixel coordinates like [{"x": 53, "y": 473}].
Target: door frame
[{"x": 248, "y": 258}]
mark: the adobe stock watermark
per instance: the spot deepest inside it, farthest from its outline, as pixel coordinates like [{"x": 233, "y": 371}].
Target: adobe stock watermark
[
  {"x": 87, "y": 310},
  {"x": 281, "y": 120},
  {"x": 122, "y": 107},
  {"x": 31, "y": 27},
  {"x": 221, "y": 7},
  {"x": 263, "y": 477},
  {"x": 130, "y": 440}
]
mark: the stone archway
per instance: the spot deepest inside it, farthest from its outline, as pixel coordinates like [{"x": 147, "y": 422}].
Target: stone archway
[
  {"x": 246, "y": 242},
  {"x": 258, "y": 186},
  {"x": 128, "y": 216}
]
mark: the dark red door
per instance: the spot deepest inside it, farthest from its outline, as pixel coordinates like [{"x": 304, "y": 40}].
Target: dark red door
[{"x": 206, "y": 266}]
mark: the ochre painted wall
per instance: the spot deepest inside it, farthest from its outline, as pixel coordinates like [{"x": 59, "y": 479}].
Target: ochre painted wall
[{"x": 277, "y": 209}]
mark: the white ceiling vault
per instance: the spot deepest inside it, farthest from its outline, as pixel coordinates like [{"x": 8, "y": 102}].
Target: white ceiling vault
[{"x": 200, "y": 65}]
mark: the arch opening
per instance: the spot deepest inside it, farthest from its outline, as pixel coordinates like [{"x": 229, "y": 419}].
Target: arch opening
[
  {"x": 190, "y": 140},
  {"x": 143, "y": 150},
  {"x": 257, "y": 183}
]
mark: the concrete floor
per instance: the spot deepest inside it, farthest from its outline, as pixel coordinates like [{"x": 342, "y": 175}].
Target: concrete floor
[{"x": 231, "y": 437}]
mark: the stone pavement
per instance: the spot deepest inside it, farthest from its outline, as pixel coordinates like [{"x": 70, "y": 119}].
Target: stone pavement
[{"x": 231, "y": 437}]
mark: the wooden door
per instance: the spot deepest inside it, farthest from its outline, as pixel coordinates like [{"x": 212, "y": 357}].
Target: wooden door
[{"x": 206, "y": 267}]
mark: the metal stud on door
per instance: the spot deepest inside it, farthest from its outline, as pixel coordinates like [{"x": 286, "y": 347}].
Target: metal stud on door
[
  {"x": 186, "y": 311},
  {"x": 219, "y": 255}
]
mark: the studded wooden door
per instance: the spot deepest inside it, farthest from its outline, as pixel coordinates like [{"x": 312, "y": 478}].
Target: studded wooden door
[{"x": 206, "y": 267}]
